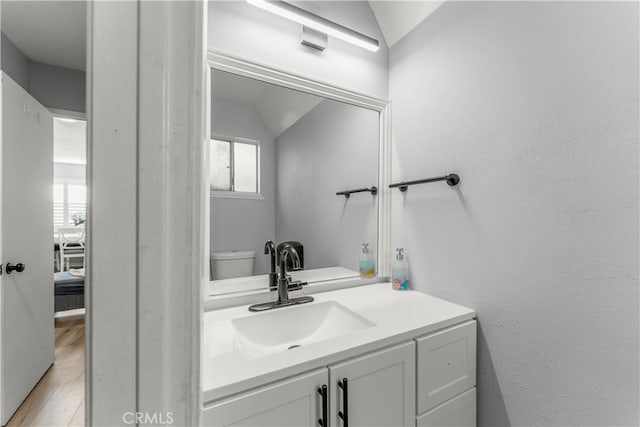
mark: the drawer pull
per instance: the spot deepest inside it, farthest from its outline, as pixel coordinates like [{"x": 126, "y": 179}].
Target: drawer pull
[
  {"x": 344, "y": 414},
  {"x": 323, "y": 392}
]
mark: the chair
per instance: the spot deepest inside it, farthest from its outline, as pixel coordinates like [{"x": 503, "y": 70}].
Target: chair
[
  {"x": 56, "y": 258},
  {"x": 71, "y": 245}
]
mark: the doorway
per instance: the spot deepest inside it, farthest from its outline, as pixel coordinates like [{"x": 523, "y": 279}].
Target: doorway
[{"x": 42, "y": 212}]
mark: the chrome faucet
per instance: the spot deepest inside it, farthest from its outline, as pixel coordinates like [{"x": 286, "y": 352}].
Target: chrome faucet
[
  {"x": 270, "y": 249},
  {"x": 284, "y": 281},
  {"x": 285, "y": 284}
]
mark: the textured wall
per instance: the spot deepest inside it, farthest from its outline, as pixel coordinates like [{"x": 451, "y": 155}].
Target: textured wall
[
  {"x": 334, "y": 147},
  {"x": 244, "y": 224},
  {"x": 535, "y": 105},
  {"x": 246, "y": 31}
]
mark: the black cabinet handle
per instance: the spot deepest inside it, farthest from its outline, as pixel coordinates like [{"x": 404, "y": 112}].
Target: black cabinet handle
[
  {"x": 10, "y": 268},
  {"x": 344, "y": 414},
  {"x": 323, "y": 392}
]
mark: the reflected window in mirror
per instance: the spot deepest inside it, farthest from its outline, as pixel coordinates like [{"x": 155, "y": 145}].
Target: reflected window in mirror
[{"x": 234, "y": 167}]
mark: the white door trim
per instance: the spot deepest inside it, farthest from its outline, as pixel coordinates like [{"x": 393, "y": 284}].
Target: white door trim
[
  {"x": 111, "y": 228},
  {"x": 224, "y": 61},
  {"x": 147, "y": 217},
  {"x": 173, "y": 267}
]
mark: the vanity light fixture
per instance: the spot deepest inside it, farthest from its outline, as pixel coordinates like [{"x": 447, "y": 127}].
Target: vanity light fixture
[{"x": 317, "y": 23}]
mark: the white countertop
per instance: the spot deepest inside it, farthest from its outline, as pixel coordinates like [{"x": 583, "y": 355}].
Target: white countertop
[{"x": 398, "y": 316}]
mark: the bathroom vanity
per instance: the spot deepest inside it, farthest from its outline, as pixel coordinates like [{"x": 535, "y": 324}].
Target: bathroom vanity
[{"x": 361, "y": 356}]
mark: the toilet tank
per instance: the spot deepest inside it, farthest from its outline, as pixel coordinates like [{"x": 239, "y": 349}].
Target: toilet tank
[{"x": 230, "y": 264}]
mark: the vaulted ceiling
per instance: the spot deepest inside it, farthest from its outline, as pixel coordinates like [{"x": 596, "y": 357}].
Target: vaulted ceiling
[
  {"x": 397, "y": 18},
  {"x": 278, "y": 107}
]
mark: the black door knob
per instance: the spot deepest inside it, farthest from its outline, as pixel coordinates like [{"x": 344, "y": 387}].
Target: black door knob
[{"x": 10, "y": 268}]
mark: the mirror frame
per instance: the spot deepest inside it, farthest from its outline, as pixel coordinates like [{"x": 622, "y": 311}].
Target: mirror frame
[{"x": 223, "y": 61}]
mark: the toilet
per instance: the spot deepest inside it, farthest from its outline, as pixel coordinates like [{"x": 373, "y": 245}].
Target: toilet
[{"x": 230, "y": 264}]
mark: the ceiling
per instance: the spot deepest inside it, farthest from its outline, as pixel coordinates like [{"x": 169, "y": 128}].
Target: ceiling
[
  {"x": 397, "y": 18},
  {"x": 278, "y": 107},
  {"x": 52, "y": 32}
]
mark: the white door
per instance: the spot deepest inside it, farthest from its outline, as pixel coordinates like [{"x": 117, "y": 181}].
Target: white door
[
  {"x": 295, "y": 402},
  {"x": 380, "y": 389},
  {"x": 26, "y": 237}
]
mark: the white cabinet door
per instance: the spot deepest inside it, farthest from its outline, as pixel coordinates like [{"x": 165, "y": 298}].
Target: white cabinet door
[
  {"x": 446, "y": 365},
  {"x": 380, "y": 389},
  {"x": 293, "y": 402},
  {"x": 457, "y": 412}
]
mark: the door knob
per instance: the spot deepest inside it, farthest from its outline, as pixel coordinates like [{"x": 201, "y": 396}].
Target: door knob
[{"x": 10, "y": 268}]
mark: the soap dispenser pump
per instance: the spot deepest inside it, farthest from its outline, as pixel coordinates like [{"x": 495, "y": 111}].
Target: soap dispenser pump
[
  {"x": 400, "y": 272},
  {"x": 366, "y": 262}
]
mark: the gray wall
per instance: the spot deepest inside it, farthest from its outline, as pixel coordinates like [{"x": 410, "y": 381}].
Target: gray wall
[
  {"x": 536, "y": 106},
  {"x": 53, "y": 86},
  {"x": 14, "y": 62},
  {"x": 244, "y": 30},
  {"x": 58, "y": 87},
  {"x": 244, "y": 224},
  {"x": 334, "y": 147}
]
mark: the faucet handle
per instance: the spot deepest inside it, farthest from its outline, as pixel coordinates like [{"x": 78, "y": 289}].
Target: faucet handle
[
  {"x": 296, "y": 285},
  {"x": 269, "y": 247}
]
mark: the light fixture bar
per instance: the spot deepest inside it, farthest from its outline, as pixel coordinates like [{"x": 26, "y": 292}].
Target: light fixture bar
[{"x": 316, "y": 22}]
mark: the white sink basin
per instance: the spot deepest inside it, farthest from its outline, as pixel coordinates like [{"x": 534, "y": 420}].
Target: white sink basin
[{"x": 292, "y": 327}]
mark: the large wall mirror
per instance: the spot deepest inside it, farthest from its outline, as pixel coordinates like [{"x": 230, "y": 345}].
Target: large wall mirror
[{"x": 278, "y": 156}]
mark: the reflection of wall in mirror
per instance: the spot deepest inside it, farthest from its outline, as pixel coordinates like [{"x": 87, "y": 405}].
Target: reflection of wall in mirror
[
  {"x": 244, "y": 224},
  {"x": 334, "y": 147}
]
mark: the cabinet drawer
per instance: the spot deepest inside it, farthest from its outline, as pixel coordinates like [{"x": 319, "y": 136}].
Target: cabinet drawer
[
  {"x": 457, "y": 412},
  {"x": 446, "y": 365}
]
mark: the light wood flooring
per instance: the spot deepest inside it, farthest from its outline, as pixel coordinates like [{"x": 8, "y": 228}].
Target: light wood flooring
[{"x": 58, "y": 399}]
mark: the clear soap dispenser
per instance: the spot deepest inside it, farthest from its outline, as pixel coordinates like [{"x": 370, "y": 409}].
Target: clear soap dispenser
[
  {"x": 367, "y": 268},
  {"x": 400, "y": 272}
]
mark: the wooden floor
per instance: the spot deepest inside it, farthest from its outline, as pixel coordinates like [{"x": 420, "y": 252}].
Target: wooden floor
[{"x": 58, "y": 399}]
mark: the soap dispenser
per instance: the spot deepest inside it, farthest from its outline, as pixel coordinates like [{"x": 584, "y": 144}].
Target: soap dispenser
[
  {"x": 366, "y": 262},
  {"x": 400, "y": 272}
]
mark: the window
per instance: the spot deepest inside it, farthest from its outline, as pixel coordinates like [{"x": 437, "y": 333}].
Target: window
[
  {"x": 69, "y": 170},
  {"x": 235, "y": 168},
  {"x": 69, "y": 203}
]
